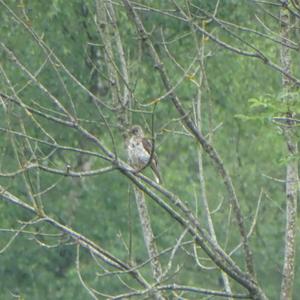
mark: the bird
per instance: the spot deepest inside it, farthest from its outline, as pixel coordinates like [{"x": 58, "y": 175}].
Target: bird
[{"x": 139, "y": 150}]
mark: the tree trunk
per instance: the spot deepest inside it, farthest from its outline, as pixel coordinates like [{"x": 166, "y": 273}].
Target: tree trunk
[
  {"x": 292, "y": 165},
  {"x": 148, "y": 238}
]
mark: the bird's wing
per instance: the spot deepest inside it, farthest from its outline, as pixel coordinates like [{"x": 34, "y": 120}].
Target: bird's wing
[{"x": 147, "y": 144}]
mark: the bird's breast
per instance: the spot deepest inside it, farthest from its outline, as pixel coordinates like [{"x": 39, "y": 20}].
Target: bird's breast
[{"x": 137, "y": 155}]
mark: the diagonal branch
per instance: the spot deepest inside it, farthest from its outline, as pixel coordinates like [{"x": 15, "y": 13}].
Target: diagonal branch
[{"x": 98, "y": 251}]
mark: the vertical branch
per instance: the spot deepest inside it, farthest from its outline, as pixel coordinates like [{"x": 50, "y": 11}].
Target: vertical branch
[
  {"x": 148, "y": 237},
  {"x": 198, "y": 121},
  {"x": 126, "y": 96},
  {"x": 105, "y": 11},
  {"x": 104, "y": 30},
  {"x": 292, "y": 165},
  {"x": 115, "y": 58},
  {"x": 120, "y": 78},
  {"x": 211, "y": 228}
]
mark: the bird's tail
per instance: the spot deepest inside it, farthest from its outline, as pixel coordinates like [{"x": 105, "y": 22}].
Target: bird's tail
[{"x": 156, "y": 173}]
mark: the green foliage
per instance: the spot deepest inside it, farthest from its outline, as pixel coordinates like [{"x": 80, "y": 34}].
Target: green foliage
[{"x": 267, "y": 108}]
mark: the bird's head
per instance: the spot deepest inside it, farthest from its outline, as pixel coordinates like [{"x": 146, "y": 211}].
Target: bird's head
[{"x": 136, "y": 130}]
